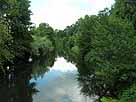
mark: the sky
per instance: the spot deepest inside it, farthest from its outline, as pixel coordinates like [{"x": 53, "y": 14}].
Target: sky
[{"x": 62, "y": 13}]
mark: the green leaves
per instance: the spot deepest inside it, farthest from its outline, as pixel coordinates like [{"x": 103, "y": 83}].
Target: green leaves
[
  {"x": 14, "y": 35},
  {"x": 129, "y": 95},
  {"x": 41, "y": 46},
  {"x": 5, "y": 40},
  {"x": 43, "y": 40},
  {"x": 125, "y": 9},
  {"x": 105, "y": 99}
]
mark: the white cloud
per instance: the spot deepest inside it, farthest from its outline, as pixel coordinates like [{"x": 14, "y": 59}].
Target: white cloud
[{"x": 61, "y": 13}]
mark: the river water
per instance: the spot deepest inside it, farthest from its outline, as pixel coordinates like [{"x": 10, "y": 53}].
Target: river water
[
  {"x": 59, "y": 84},
  {"x": 37, "y": 82}
]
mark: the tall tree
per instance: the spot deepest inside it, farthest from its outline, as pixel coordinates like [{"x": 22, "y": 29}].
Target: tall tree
[
  {"x": 18, "y": 17},
  {"x": 6, "y": 52}
]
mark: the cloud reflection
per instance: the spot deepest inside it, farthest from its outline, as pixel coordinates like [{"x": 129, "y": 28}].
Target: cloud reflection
[
  {"x": 62, "y": 87},
  {"x": 62, "y": 65}
]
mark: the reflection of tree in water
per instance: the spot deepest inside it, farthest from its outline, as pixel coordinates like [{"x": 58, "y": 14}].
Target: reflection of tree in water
[
  {"x": 16, "y": 86},
  {"x": 40, "y": 66},
  {"x": 90, "y": 85},
  {"x": 85, "y": 80}
]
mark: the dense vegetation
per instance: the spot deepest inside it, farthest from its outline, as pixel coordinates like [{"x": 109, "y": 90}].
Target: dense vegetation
[
  {"x": 18, "y": 39},
  {"x": 15, "y": 37},
  {"x": 44, "y": 42},
  {"x": 102, "y": 46}
]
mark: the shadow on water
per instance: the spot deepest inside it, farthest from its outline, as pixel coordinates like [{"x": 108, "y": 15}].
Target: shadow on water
[
  {"x": 90, "y": 85},
  {"x": 16, "y": 86}
]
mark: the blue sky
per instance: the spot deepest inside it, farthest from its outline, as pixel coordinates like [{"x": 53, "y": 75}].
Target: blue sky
[{"x": 61, "y": 13}]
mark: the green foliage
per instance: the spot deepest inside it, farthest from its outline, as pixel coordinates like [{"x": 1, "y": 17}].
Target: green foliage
[
  {"x": 105, "y": 99},
  {"x": 5, "y": 38},
  {"x": 59, "y": 38},
  {"x": 5, "y": 51},
  {"x": 15, "y": 37},
  {"x": 43, "y": 40},
  {"x": 125, "y": 9},
  {"x": 18, "y": 17},
  {"x": 129, "y": 95},
  {"x": 106, "y": 57},
  {"x": 41, "y": 46},
  {"x": 103, "y": 47}
]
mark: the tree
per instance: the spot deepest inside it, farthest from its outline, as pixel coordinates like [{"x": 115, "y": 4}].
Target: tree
[
  {"x": 18, "y": 17},
  {"x": 44, "y": 42},
  {"x": 15, "y": 37},
  {"x": 6, "y": 52}
]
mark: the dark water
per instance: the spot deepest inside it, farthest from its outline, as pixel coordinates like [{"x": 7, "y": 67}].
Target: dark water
[{"x": 38, "y": 82}]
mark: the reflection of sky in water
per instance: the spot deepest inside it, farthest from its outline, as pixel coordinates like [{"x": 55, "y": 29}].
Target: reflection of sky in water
[
  {"x": 59, "y": 84},
  {"x": 62, "y": 65}
]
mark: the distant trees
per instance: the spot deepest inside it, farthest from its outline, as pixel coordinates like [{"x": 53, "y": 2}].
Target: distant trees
[{"x": 44, "y": 42}]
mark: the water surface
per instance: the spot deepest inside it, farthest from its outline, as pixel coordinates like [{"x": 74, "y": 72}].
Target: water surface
[
  {"x": 59, "y": 84},
  {"x": 37, "y": 82}
]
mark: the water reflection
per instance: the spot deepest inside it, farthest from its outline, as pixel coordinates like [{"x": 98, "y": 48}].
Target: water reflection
[
  {"x": 88, "y": 84},
  {"x": 43, "y": 81},
  {"x": 40, "y": 66},
  {"x": 16, "y": 85},
  {"x": 59, "y": 84},
  {"x": 63, "y": 65},
  {"x": 19, "y": 89}
]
